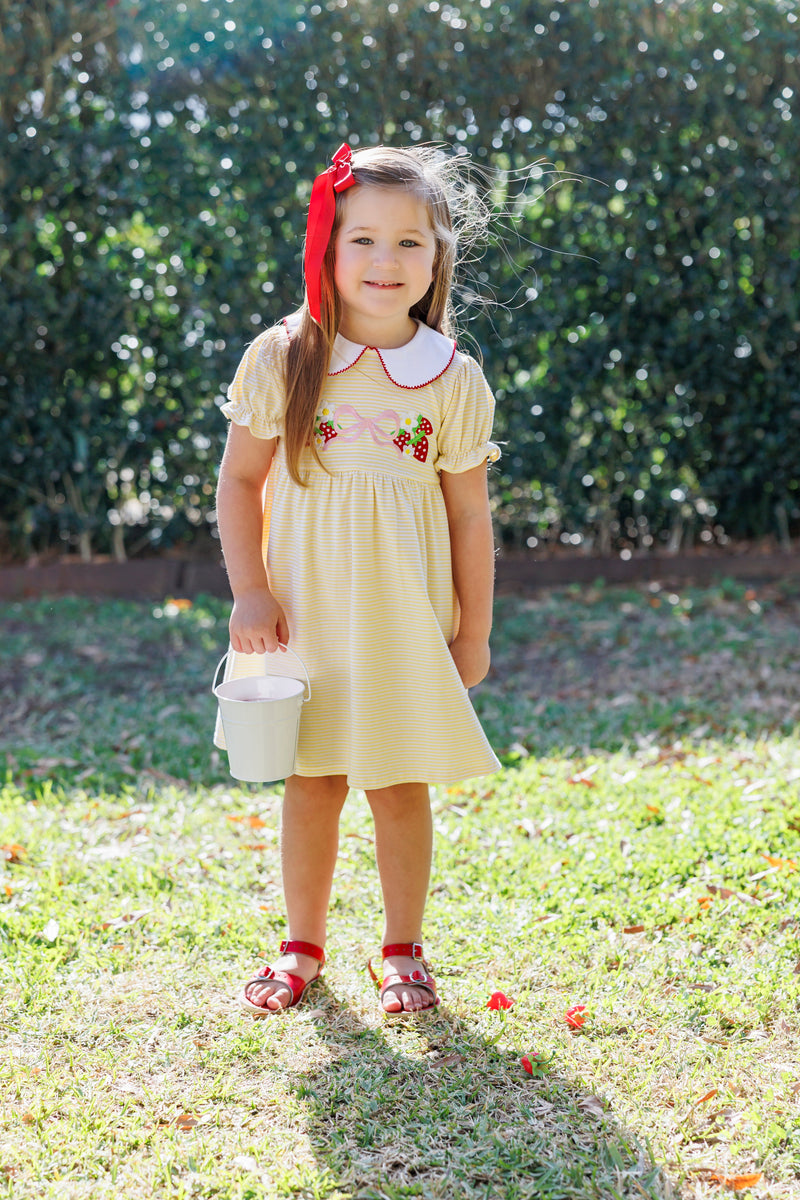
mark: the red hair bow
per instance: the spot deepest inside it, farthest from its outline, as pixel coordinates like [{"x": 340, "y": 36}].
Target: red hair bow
[{"x": 321, "y": 212}]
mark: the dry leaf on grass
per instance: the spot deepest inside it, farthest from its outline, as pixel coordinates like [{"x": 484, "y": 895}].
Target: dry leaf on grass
[
  {"x": 13, "y": 853},
  {"x": 186, "y": 1121},
  {"x": 773, "y": 861},
  {"x": 253, "y": 821},
  {"x": 585, "y": 777},
  {"x": 450, "y": 1060},
  {"x": 126, "y": 919},
  {"x": 727, "y": 894},
  {"x": 592, "y": 1105},
  {"x": 737, "y": 1183}
]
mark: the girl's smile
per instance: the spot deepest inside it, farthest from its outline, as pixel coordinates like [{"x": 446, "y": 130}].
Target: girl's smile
[{"x": 385, "y": 250}]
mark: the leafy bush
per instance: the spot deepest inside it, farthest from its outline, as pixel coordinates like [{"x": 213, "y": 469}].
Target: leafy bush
[{"x": 157, "y": 163}]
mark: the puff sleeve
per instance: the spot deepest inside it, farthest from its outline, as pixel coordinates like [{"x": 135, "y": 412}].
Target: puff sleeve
[
  {"x": 463, "y": 440},
  {"x": 257, "y": 395}
]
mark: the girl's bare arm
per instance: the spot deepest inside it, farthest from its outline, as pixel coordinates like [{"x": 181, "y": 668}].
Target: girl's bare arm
[
  {"x": 258, "y": 623},
  {"x": 466, "y": 499}
]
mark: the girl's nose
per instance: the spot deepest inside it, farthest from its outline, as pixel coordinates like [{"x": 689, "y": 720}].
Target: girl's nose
[{"x": 385, "y": 256}]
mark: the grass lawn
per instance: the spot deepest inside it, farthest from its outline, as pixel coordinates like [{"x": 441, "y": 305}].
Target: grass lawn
[{"x": 637, "y": 855}]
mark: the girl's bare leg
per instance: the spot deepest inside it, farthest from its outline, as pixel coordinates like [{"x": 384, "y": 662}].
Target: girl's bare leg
[
  {"x": 403, "y": 848},
  {"x": 309, "y": 847}
]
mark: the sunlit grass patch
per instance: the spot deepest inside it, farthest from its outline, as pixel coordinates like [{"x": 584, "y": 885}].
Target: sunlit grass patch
[{"x": 645, "y": 872}]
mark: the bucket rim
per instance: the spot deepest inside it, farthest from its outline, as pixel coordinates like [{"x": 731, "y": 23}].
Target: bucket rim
[
  {"x": 291, "y": 695},
  {"x": 266, "y": 675}
]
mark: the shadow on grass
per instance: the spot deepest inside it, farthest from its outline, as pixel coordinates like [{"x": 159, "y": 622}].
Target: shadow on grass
[
  {"x": 430, "y": 1106},
  {"x": 100, "y": 683}
]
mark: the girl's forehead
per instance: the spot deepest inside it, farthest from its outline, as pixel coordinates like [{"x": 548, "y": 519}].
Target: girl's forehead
[{"x": 368, "y": 205}]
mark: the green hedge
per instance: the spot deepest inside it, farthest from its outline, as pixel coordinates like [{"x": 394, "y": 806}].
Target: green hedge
[{"x": 639, "y": 321}]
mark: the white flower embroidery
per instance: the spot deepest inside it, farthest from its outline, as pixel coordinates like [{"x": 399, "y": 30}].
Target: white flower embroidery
[{"x": 324, "y": 425}]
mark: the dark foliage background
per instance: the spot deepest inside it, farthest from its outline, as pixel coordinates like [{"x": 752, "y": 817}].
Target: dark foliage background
[{"x": 156, "y": 163}]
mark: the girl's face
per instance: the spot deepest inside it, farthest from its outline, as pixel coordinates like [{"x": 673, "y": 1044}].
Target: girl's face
[{"x": 385, "y": 250}]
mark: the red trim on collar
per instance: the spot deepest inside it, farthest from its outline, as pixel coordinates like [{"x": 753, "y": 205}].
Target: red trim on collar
[
  {"x": 355, "y": 360},
  {"x": 408, "y": 387},
  {"x": 412, "y": 387}
]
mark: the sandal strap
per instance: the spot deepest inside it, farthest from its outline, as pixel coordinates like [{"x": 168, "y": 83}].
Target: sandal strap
[
  {"x": 420, "y": 979},
  {"x": 295, "y": 983},
  {"x": 416, "y": 979},
  {"x": 404, "y": 950},
  {"x": 292, "y": 946}
]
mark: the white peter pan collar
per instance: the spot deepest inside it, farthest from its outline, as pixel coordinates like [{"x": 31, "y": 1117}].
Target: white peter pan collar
[{"x": 419, "y": 362}]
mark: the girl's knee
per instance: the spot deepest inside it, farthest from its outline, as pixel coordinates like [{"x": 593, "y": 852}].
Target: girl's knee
[
  {"x": 323, "y": 790},
  {"x": 400, "y": 798}
]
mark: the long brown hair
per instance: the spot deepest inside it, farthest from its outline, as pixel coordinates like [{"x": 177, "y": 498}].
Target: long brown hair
[{"x": 418, "y": 169}]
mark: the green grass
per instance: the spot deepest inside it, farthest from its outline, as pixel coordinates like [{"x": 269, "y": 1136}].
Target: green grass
[{"x": 635, "y": 855}]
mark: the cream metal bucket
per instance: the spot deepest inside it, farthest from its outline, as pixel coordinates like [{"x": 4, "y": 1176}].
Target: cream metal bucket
[{"x": 261, "y": 722}]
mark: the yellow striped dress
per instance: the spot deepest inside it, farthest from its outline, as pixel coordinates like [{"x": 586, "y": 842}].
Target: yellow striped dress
[{"x": 360, "y": 559}]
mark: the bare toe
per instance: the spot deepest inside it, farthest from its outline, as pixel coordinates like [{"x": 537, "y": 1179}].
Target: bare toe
[
  {"x": 408, "y": 1000},
  {"x": 266, "y": 996},
  {"x": 392, "y": 1002},
  {"x": 277, "y": 999}
]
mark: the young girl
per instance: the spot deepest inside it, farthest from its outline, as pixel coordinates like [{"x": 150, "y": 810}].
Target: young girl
[{"x": 355, "y": 524}]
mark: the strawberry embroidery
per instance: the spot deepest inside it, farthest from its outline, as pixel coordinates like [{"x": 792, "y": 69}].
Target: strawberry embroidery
[
  {"x": 324, "y": 428},
  {"x": 412, "y": 436}
]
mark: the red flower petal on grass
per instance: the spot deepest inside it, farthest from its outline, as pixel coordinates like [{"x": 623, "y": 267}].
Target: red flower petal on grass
[
  {"x": 574, "y": 1016},
  {"x": 526, "y": 1062},
  {"x": 499, "y": 1001}
]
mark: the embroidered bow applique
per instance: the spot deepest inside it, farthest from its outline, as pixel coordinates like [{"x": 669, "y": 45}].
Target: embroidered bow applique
[{"x": 410, "y": 436}]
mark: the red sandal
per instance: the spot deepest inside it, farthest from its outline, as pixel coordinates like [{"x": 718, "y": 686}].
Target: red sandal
[
  {"x": 296, "y": 985},
  {"x": 421, "y": 978}
]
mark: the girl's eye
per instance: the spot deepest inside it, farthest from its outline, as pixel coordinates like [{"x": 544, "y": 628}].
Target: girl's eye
[{"x": 367, "y": 241}]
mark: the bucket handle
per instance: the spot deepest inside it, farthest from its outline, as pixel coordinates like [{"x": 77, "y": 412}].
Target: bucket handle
[{"x": 291, "y": 651}]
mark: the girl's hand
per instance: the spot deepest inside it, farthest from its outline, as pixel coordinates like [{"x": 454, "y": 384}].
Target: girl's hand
[
  {"x": 258, "y": 623},
  {"x": 472, "y": 658}
]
